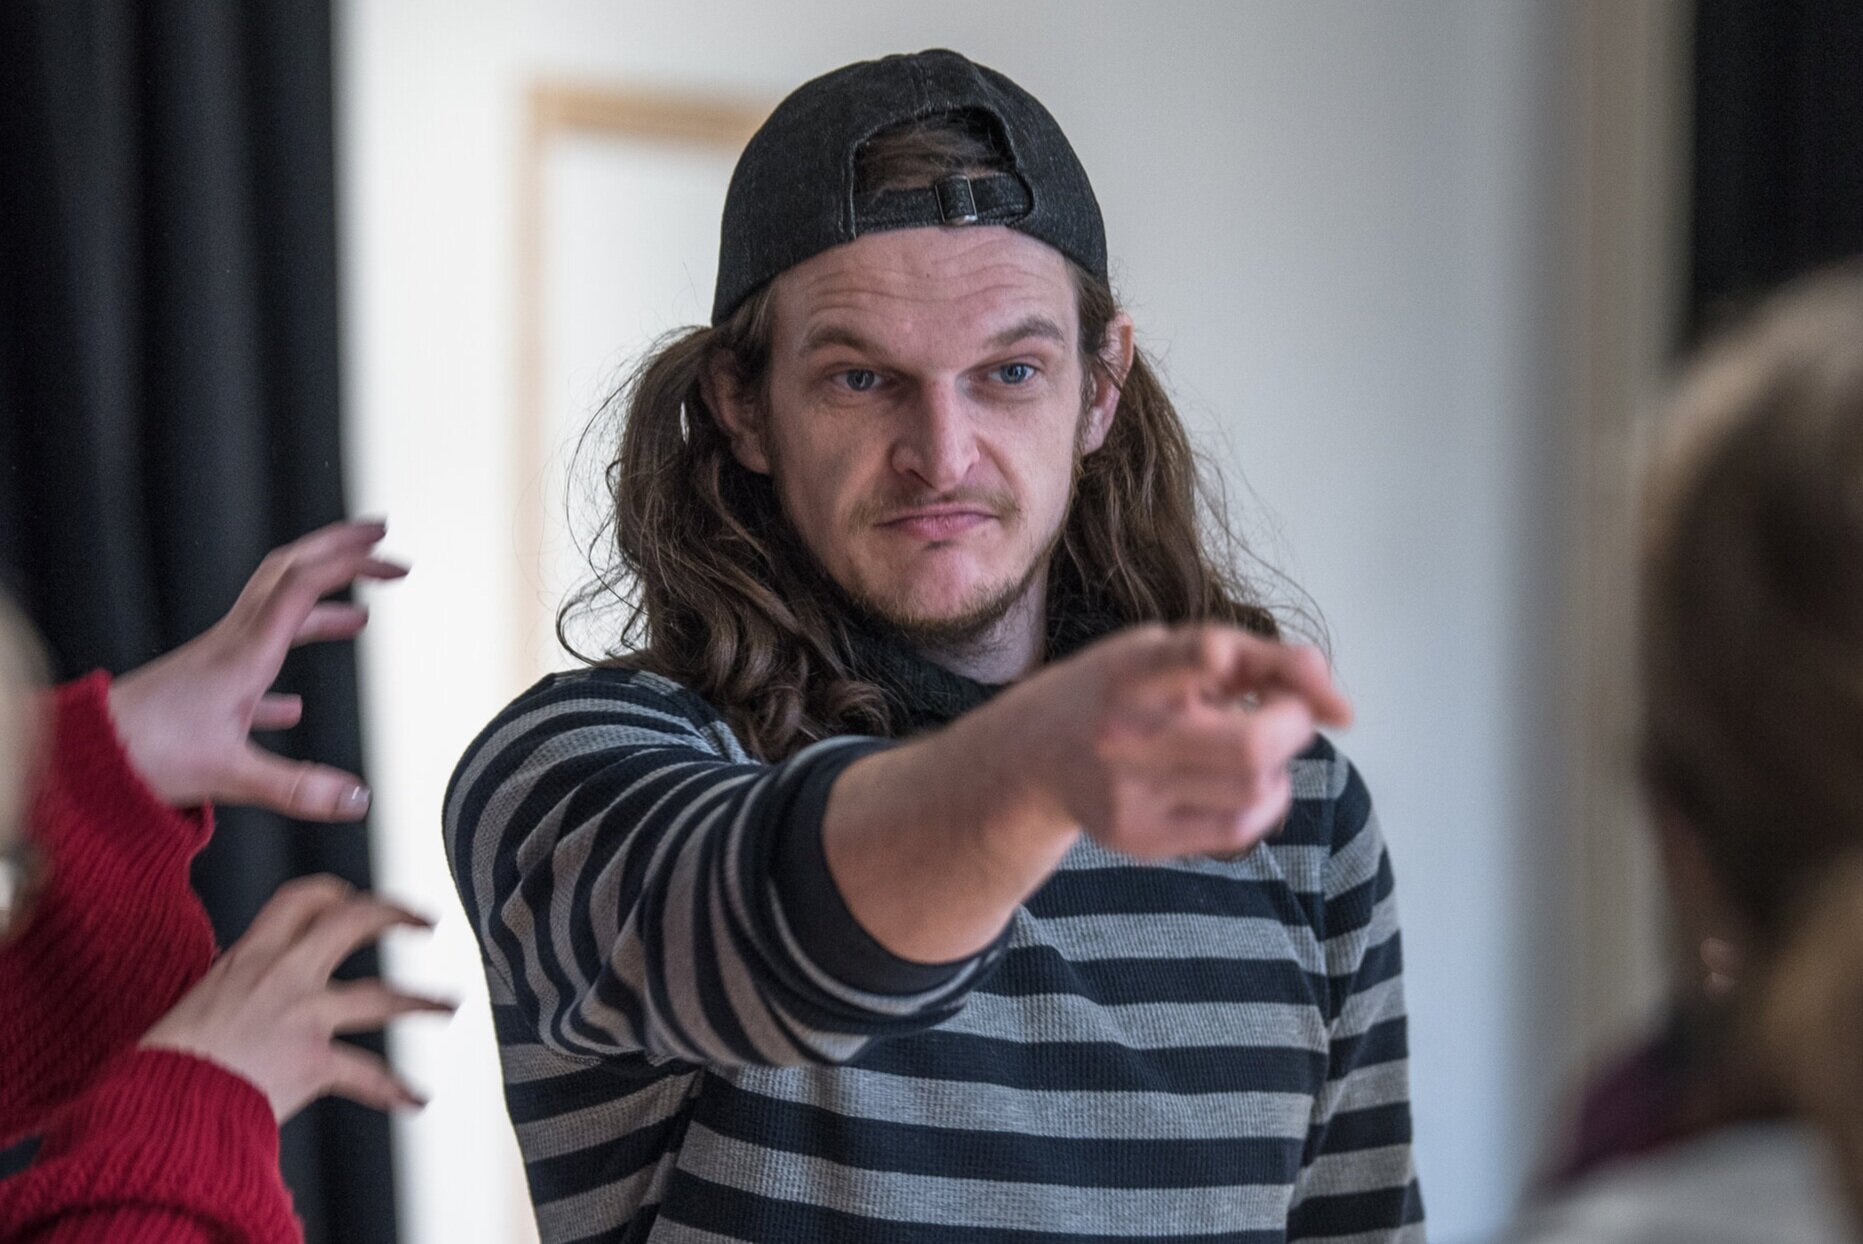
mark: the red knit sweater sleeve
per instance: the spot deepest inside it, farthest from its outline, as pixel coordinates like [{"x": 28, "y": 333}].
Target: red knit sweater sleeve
[
  {"x": 116, "y": 937},
  {"x": 165, "y": 1148},
  {"x": 143, "y": 1146}
]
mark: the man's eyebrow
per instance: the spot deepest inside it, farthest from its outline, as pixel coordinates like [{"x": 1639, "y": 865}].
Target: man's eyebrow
[
  {"x": 825, "y": 335},
  {"x": 1039, "y": 326}
]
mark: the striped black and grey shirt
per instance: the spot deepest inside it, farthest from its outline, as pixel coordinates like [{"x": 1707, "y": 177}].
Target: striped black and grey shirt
[{"x": 701, "y": 1044}]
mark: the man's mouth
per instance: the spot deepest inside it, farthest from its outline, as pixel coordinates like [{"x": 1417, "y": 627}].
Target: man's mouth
[{"x": 939, "y": 522}]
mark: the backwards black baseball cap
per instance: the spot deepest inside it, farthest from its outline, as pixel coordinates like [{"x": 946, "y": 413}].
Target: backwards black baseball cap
[{"x": 792, "y": 194}]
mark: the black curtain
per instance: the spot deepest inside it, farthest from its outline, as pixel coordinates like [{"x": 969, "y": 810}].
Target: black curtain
[
  {"x": 168, "y": 399},
  {"x": 1778, "y": 146}
]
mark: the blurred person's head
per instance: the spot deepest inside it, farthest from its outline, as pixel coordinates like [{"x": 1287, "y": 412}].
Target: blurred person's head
[
  {"x": 1752, "y": 648},
  {"x": 20, "y": 684},
  {"x": 920, "y": 431}
]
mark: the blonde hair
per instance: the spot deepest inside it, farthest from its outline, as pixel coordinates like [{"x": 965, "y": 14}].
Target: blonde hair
[
  {"x": 21, "y": 678},
  {"x": 1752, "y": 645}
]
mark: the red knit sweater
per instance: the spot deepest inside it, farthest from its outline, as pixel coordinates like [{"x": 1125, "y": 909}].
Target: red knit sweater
[{"x": 140, "y": 1146}]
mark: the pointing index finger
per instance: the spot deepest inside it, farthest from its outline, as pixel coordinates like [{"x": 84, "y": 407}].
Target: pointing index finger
[
  {"x": 1300, "y": 670},
  {"x": 1235, "y": 663}
]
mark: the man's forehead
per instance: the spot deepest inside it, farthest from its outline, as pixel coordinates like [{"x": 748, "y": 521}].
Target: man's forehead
[{"x": 983, "y": 281}]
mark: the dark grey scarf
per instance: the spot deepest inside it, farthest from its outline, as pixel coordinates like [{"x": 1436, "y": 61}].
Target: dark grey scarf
[{"x": 922, "y": 695}]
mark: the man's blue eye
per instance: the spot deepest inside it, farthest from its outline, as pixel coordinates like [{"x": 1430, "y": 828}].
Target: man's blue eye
[
  {"x": 1016, "y": 373},
  {"x": 860, "y": 379}
]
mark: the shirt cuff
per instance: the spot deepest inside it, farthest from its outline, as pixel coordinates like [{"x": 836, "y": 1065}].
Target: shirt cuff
[{"x": 812, "y": 904}]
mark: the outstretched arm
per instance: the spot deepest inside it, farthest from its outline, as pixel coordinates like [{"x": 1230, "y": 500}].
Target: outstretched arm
[
  {"x": 635, "y": 891},
  {"x": 1156, "y": 742}
]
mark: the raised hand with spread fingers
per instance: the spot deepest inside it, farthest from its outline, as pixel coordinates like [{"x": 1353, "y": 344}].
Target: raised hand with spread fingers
[
  {"x": 267, "y": 1008},
  {"x": 187, "y": 717}
]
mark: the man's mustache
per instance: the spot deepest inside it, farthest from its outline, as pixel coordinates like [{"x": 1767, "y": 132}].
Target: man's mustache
[{"x": 994, "y": 502}]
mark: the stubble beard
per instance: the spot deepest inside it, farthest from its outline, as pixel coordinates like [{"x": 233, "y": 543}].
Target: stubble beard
[
  {"x": 974, "y": 629},
  {"x": 971, "y": 630}
]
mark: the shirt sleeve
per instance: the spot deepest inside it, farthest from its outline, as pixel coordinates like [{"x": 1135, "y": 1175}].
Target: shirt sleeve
[
  {"x": 635, "y": 890},
  {"x": 164, "y": 1148},
  {"x": 1358, "y": 1179}
]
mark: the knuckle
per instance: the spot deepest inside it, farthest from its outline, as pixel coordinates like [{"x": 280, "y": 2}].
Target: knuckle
[
  {"x": 1265, "y": 794},
  {"x": 1108, "y": 739},
  {"x": 295, "y": 576},
  {"x": 351, "y": 927},
  {"x": 1127, "y": 809},
  {"x": 1312, "y": 661},
  {"x": 1147, "y": 842},
  {"x": 1149, "y": 635},
  {"x": 322, "y": 886},
  {"x": 1281, "y": 793},
  {"x": 1248, "y": 752},
  {"x": 365, "y": 911}
]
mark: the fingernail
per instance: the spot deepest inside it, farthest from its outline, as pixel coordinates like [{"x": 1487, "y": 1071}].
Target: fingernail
[{"x": 354, "y": 801}]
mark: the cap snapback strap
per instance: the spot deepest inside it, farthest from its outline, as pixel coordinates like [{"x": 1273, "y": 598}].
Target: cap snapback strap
[{"x": 954, "y": 200}]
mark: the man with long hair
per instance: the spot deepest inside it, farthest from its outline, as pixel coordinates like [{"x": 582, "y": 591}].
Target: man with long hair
[{"x": 943, "y": 850}]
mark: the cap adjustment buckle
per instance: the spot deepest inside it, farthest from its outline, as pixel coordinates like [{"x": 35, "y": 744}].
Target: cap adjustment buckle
[
  {"x": 994, "y": 198},
  {"x": 957, "y": 204}
]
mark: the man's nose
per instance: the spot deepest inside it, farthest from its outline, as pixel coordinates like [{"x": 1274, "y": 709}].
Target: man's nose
[{"x": 938, "y": 442}]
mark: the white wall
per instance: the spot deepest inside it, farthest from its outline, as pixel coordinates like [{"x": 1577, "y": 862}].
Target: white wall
[{"x": 1337, "y": 223}]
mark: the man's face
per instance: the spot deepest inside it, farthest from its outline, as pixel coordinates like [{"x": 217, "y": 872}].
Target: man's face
[{"x": 924, "y": 414}]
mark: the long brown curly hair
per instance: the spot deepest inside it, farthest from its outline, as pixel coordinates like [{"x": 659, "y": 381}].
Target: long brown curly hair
[
  {"x": 1752, "y": 646},
  {"x": 718, "y": 591}
]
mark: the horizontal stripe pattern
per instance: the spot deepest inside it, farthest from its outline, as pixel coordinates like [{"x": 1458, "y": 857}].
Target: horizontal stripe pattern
[{"x": 701, "y": 1044}]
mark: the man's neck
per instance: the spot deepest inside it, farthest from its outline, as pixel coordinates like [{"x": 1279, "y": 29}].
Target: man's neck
[{"x": 1007, "y": 650}]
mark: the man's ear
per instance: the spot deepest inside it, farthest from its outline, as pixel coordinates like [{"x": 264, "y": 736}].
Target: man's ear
[
  {"x": 1115, "y": 355},
  {"x": 737, "y": 412}
]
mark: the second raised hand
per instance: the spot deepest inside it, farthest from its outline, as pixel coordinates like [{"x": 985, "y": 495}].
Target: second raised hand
[{"x": 186, "y": 719}]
